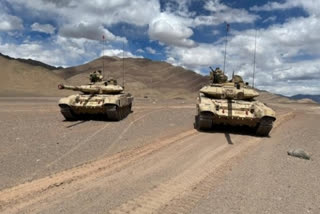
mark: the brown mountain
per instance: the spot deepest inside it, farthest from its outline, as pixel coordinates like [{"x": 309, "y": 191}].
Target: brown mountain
[
  {"x": 32, "y": 62},
  {"x": 21, "y": 78},
  {"x": 143, "y": 77}
]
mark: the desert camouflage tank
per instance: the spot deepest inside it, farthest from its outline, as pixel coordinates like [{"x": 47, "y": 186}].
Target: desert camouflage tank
[
  {"x": 99, "y": 98},
  {"x": 232, "y": 103}
]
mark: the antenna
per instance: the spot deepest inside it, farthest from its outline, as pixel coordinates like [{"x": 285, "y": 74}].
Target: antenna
[
  {"x": 254, "y": 58},
  {"x": 225, "y": 47},
  {"x": 123, "y": 64},
  {"x": 103, "y": 50}
]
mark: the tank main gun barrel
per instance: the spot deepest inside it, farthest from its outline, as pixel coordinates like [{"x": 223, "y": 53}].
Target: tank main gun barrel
[
  {"x": 94, "y": 88},
  {"x": 84, "y": 89}
]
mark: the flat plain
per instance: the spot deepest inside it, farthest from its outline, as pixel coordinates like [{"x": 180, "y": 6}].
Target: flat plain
[{"x": 154, "y": 161}]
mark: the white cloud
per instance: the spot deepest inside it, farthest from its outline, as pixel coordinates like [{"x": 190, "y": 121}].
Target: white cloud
[
  {"x": 311, "y": 6},
  {"x": 270, "y": 19},
  {"x": 89, "y": 31},
  {"x": 44, "y": 28},
  {"x": 287, "y": 56},
  {"x": 33, "y": 51},
  {"x": 179, "y": 8},
  {"x": 9, "y": 22},
  {"x": 140, "y": 50},
  {"x": 221, "y": 13},
  {"x": 60, "y": 51},
  {"x": 137, "y": 12},
  {"x": 77, "y": 19},
  {"x": 119, "y": 53},
  {"x": 204, "y": 55},
  {"x": 216, "y": 32},
  {"x": 151, "y": 50},
  {"x": 171, "y": 30},
  {"x": 270, "y": 6}
]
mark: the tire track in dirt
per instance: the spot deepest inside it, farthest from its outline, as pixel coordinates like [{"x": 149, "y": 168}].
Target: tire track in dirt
[
  {"x": 180, "y": 185},
  {"x": 130, "y": 125},
  {"x": 86, "y": 140},
  {"x": 14, "y": 199},
  {"x": 181, "y": 193}
]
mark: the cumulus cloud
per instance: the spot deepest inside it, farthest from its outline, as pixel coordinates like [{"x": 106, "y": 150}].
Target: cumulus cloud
[
  {"x": 151, "y": 50},
  {"x": 203, "y": 55},
  {"x": 119, "y": 53},
  {"x": 221, "y": 13},
  {"x": 171, "y": 30},
  {"x": 287, "y": 55},
  {"x": 312, "y": 7},
  {"x": 58, "y": 3},
  {"x": 10, "y": 23},
  {"x": 89, "y": 31},
  {"x": 33, "y": 51},
  {"x": 137, "y": 12},
  {"x": 140, "y": 50},
  {"x": 60, "y": 51},
  {"x": 287, "y": 61},
  {"x": 179, "y": 8},
  {"x": 44, "y": 28}
]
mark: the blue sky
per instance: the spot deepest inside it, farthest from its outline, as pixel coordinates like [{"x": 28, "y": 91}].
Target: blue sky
[{"x": 187, "y": 33}]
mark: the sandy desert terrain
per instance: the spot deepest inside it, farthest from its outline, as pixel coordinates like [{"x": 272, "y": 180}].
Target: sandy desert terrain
[{"x": 154, "y": 161}]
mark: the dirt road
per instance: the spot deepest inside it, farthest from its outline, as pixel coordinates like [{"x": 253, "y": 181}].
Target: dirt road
[{"x": 154, "y": 162}]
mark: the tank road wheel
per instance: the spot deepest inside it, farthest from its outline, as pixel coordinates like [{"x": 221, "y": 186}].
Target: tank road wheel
[
  {"x": 67, "y": 112},
  {"x": 126, "y": 111},
  {"x": 112, "y": 112},
  {"x": 130, "y": 107},
  {"x": 264, "y": 127},
  {"x": 115, "y": 115},
  {"x": 203, "y": 121},
  {"x": 122, "y": 112}
]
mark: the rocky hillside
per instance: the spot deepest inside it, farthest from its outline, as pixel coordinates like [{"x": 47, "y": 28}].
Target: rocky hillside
[
  {"x": 143, "y": 77},
  {"x": 315, "y": 98},
  {"x": 21, "y": 78}
]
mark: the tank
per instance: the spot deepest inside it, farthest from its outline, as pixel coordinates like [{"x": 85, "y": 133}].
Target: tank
[
  {"x": 224, "y": 102},
  {"x": 105, "y": 99}
]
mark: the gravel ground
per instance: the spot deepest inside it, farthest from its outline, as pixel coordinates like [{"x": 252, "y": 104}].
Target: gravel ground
[{"x": 154, "y": 162}]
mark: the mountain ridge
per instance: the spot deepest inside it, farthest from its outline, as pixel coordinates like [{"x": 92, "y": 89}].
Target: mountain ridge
[
  {"x": 143, "y": 77},
  {"x": 315, "y": 98},
  {"x": 32, "y": 62}
]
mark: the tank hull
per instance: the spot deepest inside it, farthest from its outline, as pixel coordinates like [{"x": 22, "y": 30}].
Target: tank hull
[
  {"x": 254, "y": 114},
  {"x": 104, "y": 106}
]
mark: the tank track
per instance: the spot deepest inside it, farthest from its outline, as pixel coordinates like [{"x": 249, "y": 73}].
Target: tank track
[
  {"x": 264, "y": 127},
  {"x": 66, "y": 111},
  {"x": 202, "y": 122},
  {"x": 120, "y": 113}
]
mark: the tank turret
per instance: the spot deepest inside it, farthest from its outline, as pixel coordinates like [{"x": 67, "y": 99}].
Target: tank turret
[
  {"x": 217, "y": 76},
  {"x": 96, "y": 76},
  {"x": 229, "y": 91},
  {"x": 221, "y": 88}
]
